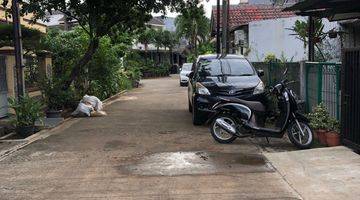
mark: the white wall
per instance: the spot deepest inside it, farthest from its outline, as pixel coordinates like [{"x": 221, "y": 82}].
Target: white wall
[{"x": 273, "y": 36}]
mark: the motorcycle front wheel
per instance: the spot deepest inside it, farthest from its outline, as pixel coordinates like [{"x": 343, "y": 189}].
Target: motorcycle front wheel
[
  {"x": 300, "y": 134},
  {"x": 219, "y": 134}
]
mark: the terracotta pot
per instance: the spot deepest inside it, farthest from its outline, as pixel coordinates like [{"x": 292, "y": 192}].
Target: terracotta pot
[
  {"x": 321, "y": 135},
  {"x": 332, "y": 138}
]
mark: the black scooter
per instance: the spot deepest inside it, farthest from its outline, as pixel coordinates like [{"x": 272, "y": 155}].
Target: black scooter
[{"x": 235, "y": 118}]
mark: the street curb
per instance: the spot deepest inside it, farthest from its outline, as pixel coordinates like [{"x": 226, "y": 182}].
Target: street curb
[{"x": 48, "y": 132}]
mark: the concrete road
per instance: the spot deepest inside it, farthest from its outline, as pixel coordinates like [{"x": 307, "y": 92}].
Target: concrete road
[{"x": 146, "y": 148}]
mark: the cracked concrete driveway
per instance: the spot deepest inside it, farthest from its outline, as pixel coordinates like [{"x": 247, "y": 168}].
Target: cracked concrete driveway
[{"x": 146, "y": 148}]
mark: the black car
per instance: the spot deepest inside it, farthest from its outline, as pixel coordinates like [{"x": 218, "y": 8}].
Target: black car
[{"x": 216, "y": 76}]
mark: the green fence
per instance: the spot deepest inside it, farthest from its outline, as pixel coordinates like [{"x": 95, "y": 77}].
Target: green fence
[
  {"x": 274, "y": 73},
  {"x": 323, "y": 85}
]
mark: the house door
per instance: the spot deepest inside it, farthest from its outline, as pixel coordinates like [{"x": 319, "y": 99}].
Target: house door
[
  {"x": 350, "y": 110},
  {"x": 3, "y": 88}
]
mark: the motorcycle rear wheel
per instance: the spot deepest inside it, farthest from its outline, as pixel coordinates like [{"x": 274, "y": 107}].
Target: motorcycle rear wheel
[{"x": 218, "y": 133}]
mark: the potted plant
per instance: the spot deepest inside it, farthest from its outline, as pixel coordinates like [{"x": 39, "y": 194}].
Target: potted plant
[
  {"x": 333, "y": 135},
  {"x": 54, "y": 97},
  {"x": 319, "y": 122},
  {"x": 27, "y": 111}
]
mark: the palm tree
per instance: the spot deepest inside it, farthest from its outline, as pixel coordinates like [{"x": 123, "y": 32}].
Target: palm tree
[
  {"x": 193, "y": 24},
  {"x": 146, "y": 38},
  {"x": 169, "y": 40},
  {"x": 158, "y": 42},
  {"x": 301, "y": 32}
]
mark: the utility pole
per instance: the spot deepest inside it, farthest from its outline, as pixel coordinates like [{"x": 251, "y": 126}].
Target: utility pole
[
  {"x": 225, "y": 31},
  {"x": 311, "y": 39},
  {"x": 18, "y": 48},
  {"x": 218, "y": 50}
]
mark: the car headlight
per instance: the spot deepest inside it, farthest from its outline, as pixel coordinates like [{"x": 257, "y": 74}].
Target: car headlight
[
  {"x": 259, "y": 88},
  {"x": 200, "y": 89}
]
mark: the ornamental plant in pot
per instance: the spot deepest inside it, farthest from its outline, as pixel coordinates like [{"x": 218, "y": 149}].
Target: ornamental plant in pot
[
  {"x": 319, "y": 122},
  {"x": 333, "y": 135},
  {"x": 54, "y": 97},
  {"x": 27, "y": 111}
]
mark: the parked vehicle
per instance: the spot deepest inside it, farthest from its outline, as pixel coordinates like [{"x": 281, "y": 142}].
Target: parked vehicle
[
  {"x": 233, "y": 118},
  {"x": 184, "y": 72},
  {"x": 214, "y": 76}
]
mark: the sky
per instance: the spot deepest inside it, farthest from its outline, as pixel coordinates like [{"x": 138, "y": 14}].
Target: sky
[{"x": 207, "y": 5}]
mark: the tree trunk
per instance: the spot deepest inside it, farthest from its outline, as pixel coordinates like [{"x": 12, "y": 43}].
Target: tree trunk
[{"x": 93, "y": 45}]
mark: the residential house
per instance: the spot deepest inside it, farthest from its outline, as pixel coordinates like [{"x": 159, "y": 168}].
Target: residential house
[
  {"x": 7, "y": 59},
  {"x": 260, "y": 29}
]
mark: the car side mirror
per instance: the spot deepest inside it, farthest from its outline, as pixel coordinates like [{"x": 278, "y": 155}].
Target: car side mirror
[
  {"x": 260, "y": 72},
  {"x": 190, "y": 75}
]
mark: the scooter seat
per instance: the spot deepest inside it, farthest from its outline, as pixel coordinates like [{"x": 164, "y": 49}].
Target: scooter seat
[{"x": 253, "y": 105}]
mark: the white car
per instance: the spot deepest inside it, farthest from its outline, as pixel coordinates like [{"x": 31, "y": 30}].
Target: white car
[{"x": 185, "y": 71}]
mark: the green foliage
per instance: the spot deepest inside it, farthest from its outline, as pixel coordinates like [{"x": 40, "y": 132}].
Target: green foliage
[
  {"x": 53, "y": 95},
  {"x": 31, "y": 37},
  {"x": 98, "y": 19},
  {"x": 193, "y": 24},
  {"x": 147, "y": 37},
  {"x": 66, "y": 48},
  {"x": 321, "y": 119},
  {"x": 27, "y": 110},
  {"x": 206, "y": 48},
  {"x": 270, "y": 58}
]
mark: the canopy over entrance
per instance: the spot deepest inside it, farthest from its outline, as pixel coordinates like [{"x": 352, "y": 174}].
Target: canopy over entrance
[{"x": 332, "y": 9}]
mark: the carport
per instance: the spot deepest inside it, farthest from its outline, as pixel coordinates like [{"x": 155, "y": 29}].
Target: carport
[{"x": 348, "y": 13}]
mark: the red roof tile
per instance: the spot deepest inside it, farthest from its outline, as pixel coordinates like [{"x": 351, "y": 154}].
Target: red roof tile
[{"x": 242, "y": 14}]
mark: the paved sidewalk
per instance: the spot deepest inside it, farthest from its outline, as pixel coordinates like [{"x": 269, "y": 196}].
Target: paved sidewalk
[
  {"x": 146, "y": 148},
  {"x": 324, "y": 173}
]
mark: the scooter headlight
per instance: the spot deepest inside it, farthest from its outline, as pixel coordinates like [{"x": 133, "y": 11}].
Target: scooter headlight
[
  {"x": 200, "y": 89},
  {"x": 259, "y": 88}
]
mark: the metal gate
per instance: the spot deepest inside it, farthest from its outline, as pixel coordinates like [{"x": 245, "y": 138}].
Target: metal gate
[
  {"x": 3, "y": 88},
  {"x": 323, "y": 85},
  {"x": 350, "y": 115}
]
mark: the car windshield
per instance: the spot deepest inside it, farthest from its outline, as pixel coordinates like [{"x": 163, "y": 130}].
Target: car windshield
[
  {"x": 230, "y": 67},
  {"x": 186, "y": 67}
]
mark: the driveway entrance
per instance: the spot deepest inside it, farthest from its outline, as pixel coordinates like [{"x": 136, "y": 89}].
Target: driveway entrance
[{"x": 146, "y": 148}]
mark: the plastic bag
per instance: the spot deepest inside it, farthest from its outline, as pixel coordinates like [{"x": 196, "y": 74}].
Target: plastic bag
[
  {"x": 94, "y": 101},
  {"x": 83, "y": 110}
]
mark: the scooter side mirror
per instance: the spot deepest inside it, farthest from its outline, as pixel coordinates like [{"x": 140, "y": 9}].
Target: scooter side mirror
[{"x": 260, "y": 72}]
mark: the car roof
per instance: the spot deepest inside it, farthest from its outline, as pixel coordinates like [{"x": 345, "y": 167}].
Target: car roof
[{"x": 214, "y": 56}]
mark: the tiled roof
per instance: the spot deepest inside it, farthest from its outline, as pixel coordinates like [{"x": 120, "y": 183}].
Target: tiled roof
[{"x": 242, "y": 14}]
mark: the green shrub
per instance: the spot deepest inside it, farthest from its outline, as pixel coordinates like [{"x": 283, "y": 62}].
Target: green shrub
[
  {"x": 27, "y": 110},
  {"x": 321, "y": 119}
]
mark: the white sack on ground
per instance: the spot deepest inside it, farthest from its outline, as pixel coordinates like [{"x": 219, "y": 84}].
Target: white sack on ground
[
  {"x": 83, "y": 110},
  {"x": 89, "y": 106},
  {"x": 94, "y": 101}
]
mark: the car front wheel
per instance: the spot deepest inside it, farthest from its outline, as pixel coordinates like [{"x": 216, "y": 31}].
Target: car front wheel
[{"x": 198, "y": 117}]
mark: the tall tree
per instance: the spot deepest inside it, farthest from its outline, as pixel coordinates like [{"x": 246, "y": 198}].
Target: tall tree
[
  {"x": 158, "y": 42},
  {"x": 146, "y": 37},
  {"x": 169, "y": 41},
  {"x": 98, "y": 18},
  {"x": 193, "y": 24}
]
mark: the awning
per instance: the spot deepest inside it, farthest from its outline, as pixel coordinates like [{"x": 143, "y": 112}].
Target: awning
[{"x": 332, "y": 9}]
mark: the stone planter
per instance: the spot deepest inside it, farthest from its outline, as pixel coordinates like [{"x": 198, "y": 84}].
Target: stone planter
[
  {"x": 332, "y": 138},
  {"x": 25, "y": 131},
  {"x": 53, "y": 113}
]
